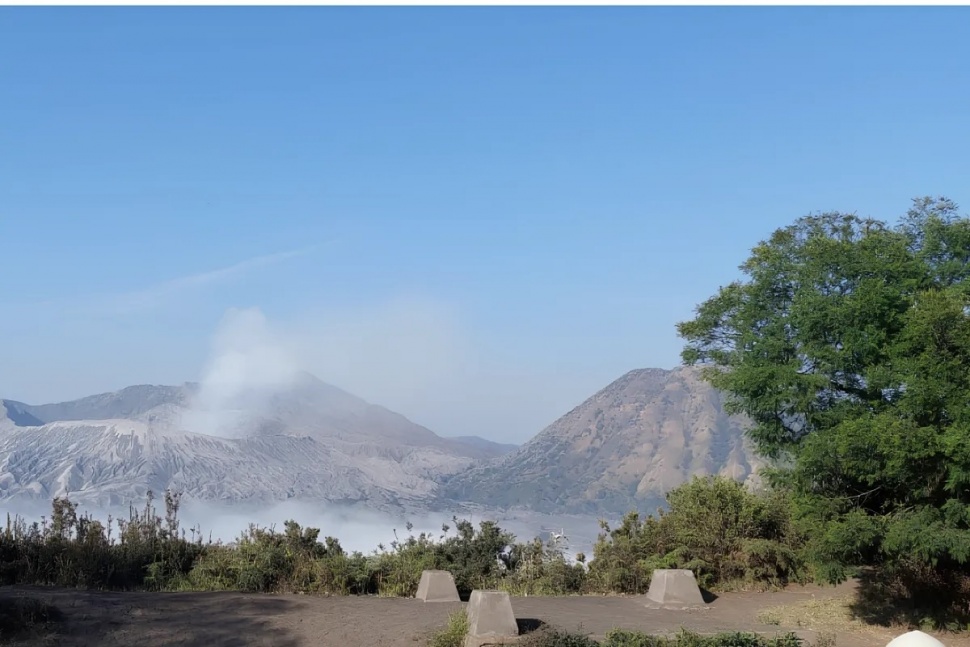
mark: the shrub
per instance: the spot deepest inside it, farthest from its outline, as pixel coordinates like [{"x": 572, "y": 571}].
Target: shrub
[
  {"x": 477, "y": 560},
  {"x": 147, "y": 551},
  {"x": 542, "y": 569},
  {"x": 398, "y": 571},
  {"x": 453, "y": 635},
  {"x": 76, "y": 551},
  {"x": 621, "y": 638},
  {"x": 724, "y": 533},
  {"x": 728, "y": 536},
  {"x": 549, "y": 637}
]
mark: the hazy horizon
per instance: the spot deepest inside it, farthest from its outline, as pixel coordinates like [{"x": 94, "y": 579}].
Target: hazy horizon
[
  {"x": 475, "y": 217},
  {"x": 358, "y": 528}
]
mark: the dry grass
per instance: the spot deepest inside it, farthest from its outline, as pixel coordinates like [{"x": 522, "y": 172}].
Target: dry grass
[{"x": 823, "y": 615}]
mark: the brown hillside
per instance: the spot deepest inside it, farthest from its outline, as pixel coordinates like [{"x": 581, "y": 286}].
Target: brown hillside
[{"x": 624, "y": 447}]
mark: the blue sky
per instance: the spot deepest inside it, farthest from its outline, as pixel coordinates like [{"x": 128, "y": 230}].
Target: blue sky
[{"x": 476, "y": 216}]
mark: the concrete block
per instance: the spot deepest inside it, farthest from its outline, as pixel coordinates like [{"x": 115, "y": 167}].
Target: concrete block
[
  {"x": 437, "y": 586},
  {"x": 672, "y": 588},
  {"x": 915, "y": 639},
  {"x": 490, "y": 616}
]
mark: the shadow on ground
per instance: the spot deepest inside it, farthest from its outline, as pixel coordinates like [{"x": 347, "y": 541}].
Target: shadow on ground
[
  {"x": 30, "y": 620},
  {"x": 528, "y": 625},
  {"x": 912, "y": 599},
  {"x": 108, "y": 619}
]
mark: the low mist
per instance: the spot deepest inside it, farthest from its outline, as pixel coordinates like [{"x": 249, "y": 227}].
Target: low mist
[{"x": 358, "y": 528}]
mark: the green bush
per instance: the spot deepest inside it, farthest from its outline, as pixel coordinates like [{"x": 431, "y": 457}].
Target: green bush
[
  {"x": 549, "y": 637},
  {"x": 453, "y": 635},
  {"x": 398, "y": 571},
  {"x": 478, "y": 560},
  {"x": 715, "y": 527},
  {"x": 620, "y": 638},
  {"x": 151, "y": 552},
  {"x": 535, "y": 568},
  {"x": 148, "y": 553},
  {"x": 729, "y": 536}
]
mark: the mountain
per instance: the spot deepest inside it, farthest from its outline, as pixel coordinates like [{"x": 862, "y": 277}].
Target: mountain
[
  {"x": 621, "y": 449},
  {"x": 490, "y": 446},
  {"x": 309, "y": 440},
  {"x": 126, "y": 403}
]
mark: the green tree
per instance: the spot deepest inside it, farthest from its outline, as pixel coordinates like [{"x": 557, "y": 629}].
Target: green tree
[{"x": 847, "y": 344}]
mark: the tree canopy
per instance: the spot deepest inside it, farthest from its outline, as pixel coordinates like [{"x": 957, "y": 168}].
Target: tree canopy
[{"x": 847, "y": 344}]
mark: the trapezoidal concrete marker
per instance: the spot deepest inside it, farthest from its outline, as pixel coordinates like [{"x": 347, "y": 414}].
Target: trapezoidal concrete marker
[
  {"x": 914, "y": 639},
  {"x": 490, "y": 619},
  {"x": 674, "y": 588},
  {"x": 437, "y": 586}
]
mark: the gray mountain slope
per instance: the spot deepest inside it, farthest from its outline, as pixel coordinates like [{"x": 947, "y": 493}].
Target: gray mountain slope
[
  {"x": 621, "y": 449},
  {"x": 499, "y": 449},
  {"x": 126, "y": 403},
  {"x": 309, "y": 406},
  {"x": 309, "y": 440},
  {"x": 18, "y": 413},
  {"x": 113, "y": 463}
]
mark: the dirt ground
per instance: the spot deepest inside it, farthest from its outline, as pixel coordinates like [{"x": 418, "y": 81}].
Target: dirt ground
[{"x": 91, "y": 619}]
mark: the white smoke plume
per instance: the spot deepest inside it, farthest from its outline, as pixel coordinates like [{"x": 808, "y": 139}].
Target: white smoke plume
[
  {"x": 246, "y": 354},
  {"x": 402, "y": 354},
  {"x": 248, "y": 362}
]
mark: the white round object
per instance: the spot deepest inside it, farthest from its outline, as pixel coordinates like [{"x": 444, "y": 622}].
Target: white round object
[{"x": 915, "y": 639}]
